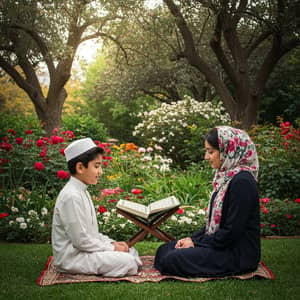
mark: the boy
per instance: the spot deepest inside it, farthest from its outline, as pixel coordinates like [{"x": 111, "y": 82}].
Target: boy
[{"x": 77, "y": 245}]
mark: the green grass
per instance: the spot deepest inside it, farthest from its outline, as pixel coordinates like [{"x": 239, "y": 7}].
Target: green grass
[{"x": 21, "y": 264}]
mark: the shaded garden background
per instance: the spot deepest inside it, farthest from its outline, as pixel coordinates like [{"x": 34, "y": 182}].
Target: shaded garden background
[{"x": 164, "y": 75}]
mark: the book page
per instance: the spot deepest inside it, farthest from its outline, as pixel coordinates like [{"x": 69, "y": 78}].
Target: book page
[
  {"x": 132, "y": 207},
  {"x": 164, "y": 204}
]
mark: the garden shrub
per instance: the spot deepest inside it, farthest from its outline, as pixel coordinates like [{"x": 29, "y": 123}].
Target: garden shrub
[
  {"x": 179, "y": 127},
  {"x": 279, "y": 158},
  {"x": 85, "y": 126}
]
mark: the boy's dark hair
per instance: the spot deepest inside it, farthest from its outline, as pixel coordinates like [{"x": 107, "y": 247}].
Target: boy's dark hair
[
  {"x": 84, "y": 158},
  {"x": 212, "y": 138}
]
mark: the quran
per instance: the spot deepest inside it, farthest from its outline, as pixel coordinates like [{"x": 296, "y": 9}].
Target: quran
[{"x": 145, "y": 211}]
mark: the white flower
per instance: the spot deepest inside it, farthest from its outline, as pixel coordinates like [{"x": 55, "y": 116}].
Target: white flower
[
  {"x": 44, "y": 211},
  {"x": 23, "y": 225},
  {"x": 14, "y": 209},
  {"x": 32, "y": 213},
  {"x": 201, "y": 212},
  {"x": 42, "y": 224},
  {"x": 122, "y": 225},
  {"x": 174, "y": 218},
  {"x": 11, "y": 223},
  {"x": 20, "y": 219},
  {"x": 149, "y": 149}
]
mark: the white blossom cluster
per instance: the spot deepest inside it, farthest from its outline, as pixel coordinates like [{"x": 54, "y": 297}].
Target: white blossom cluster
[
  {"x": 33, "y": 215},
  {"x": 170, "y": 121}
]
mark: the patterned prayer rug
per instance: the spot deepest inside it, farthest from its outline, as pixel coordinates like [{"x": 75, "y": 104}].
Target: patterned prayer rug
[{"x": 147, "y": 273}]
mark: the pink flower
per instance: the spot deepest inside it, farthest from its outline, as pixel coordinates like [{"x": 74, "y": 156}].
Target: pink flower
[
  {"x": 136, "y": 191},
  {"x": 3, "y": 215},
  {"x": 297, "y": 200},
  {"x": 19, "y": 141},
  {"x": 264, "y": 200},
  {"x": 265, "y": 210},
  {"x": 28, "y": 131},
  {"x": 288, "y": 216},
  {"x": 102, "y": 209},
  {"x": 39, "y": 166},
  {"x": 273, "y": 225},
  {"x": 180, "y": 211},
  {"x": 62, "y": 174}
]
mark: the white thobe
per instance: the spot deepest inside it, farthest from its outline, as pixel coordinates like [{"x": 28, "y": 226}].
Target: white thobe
[{"x": 77, "y": 245}]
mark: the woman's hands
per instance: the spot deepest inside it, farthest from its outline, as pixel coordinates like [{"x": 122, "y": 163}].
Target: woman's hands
[{"x": 184, "y": 243}]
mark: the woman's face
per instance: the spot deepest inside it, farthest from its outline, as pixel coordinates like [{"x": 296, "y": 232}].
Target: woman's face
[{"x": 212, "y": 155}]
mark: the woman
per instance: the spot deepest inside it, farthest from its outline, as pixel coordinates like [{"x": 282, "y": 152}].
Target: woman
[{"x": 230, "y": 242}]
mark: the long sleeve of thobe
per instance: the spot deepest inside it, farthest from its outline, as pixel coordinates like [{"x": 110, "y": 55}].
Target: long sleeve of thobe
[{"x": 75, "y": 220}]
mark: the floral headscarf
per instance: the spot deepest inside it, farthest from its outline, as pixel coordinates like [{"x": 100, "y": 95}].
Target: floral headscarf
[{"x": 237, "y": 153}]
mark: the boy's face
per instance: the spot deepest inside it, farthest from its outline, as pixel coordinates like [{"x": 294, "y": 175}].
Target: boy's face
[{"x": 90, "y": 174}]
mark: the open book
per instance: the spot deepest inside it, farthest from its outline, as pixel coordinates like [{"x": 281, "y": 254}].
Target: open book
[{"x": 146, "y": 211}]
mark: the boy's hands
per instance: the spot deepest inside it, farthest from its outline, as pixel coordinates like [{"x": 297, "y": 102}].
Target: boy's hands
[{"x": 121, "y": 246}]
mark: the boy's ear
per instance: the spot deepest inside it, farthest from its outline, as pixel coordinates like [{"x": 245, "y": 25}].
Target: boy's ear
[{"x": 79, "y": 167}]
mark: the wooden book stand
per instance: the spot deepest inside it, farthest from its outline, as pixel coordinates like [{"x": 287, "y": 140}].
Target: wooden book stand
[{"x": 149, "y": 225}]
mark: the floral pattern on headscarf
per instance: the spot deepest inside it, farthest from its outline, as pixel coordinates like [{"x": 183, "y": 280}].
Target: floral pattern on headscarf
[{"x": 237, "y": 153}]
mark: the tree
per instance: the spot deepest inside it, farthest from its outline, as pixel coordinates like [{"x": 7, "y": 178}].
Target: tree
[
  {"x": 46, "y": 34},
  {"x": 143, "y": 60},
  {"x": 248, "y": 40}
]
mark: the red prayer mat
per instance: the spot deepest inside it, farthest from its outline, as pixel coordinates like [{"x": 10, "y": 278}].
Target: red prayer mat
[{"x": 147, "y": 273}]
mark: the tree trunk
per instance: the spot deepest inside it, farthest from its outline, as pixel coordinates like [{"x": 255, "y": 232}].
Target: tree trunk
[{"x": 50, "y": 114}]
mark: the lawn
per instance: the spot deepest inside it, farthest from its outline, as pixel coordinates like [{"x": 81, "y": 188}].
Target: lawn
[{"x": 21, "y": 265}]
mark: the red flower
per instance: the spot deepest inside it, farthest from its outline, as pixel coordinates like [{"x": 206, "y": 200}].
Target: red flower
[
  {"x": 180, "y": 211},
  {"x": 265, "y": 210},
  {"x": 19, "y": 141},
  {"x": 102, "y": 209},
  {"x": 288, "y": 216},
  {"x": 68, "y": 134},
  {"x": 40, "y": 143},
  {"x": 62, "y": 151},
  {"x": 273, "y": 225},
  {"x": 297, "y": 200},
  {"x": 136, "y": 191},
  {"x": 39, "y": 166},
  {"x": 43, "y": 154},
  {"x": 28, "y": 131},
  {"x": 5, "y": 139},
  {"x": 262, "y": 225},
  {"x": 55, "y": 139},
  {"x": 3, "y": 215},
  {"x": 62, "y": 174},
  {"x": 12, "y": 131},
  {"x": 112, "y": 200},
  {"x": 104, "y": 163},
  {"x": 6, "y": 146}
]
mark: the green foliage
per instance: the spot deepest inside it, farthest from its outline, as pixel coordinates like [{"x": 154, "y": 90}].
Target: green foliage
[
  {"x": 279, "y": 157},
  {"x": 280, "y": 217},
  {"x": 19, "y": 123},
  {"x": 140, "y": 174},
  {"x": 85, "y": 126},
  {"x": 179, "y": 128}
]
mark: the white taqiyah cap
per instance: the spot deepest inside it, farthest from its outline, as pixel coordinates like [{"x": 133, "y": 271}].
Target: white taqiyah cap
[{"x": 78, "y": 147}]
